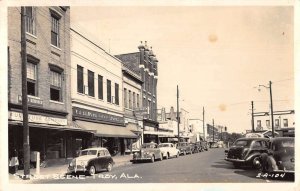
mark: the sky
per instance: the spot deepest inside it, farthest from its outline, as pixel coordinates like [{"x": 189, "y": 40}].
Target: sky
[{"x": 217, "y": 55}]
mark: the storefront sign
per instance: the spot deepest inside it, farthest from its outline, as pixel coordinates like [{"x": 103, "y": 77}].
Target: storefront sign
[
  {"x": 31, "y": 101},
  {"x": 18, "y": 116},
  {"x": 128, "y": 120},
  {"x": 141, "y": 111},
  {"x": 79, "y": 112}
]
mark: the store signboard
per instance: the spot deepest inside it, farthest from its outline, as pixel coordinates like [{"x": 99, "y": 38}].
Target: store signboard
[
  {"x": 31, "y": 101},
  {"x": 18, "y": 116}
]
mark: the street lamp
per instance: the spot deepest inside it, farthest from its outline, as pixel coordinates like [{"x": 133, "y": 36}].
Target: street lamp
[{"x": 271, "y": 102}]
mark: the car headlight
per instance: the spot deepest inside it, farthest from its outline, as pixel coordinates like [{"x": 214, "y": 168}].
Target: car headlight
[
  {"x": 73, "y": 162},
  {"x": 83, "y": 163},
  {"x": 146, "y": 153}
]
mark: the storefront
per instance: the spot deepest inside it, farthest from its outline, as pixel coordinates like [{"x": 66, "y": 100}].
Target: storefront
[
  {"x": 48, "y": 135},
  {"x": 109, "y": 130}
]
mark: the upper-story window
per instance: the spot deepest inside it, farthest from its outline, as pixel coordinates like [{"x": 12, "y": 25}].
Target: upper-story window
[
  {"x": 91, "y": 84},
  {"x": 55, "y": 86},
  {"x": 108, "y": 83},
  {"x": 79, "y": 79},
  {"x": 116, "y": 93},
  {"x": 55, "y": 30},
  {"x": 31, "y": 79},
  {"x": 133, "y": 100},
  {"x": 100, "y": 87},
  {"x": 125, "y": 98},
  {"x": 137, "y": 100},
  {"x": 30, "y": 20},
  {"x": 129, "y": 98},
  {"x": 285, "y": 123}
]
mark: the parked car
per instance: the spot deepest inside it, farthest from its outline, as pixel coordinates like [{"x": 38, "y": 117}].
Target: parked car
[
  {"x": 91, "y": 160},
  {"x": 148, "y": 152},
  {"x": 168, "y": 150},
  {"x": 204, "y": 145},
  {"x": 280, "y": 156},
  {"x": 184, "y": 148},
  {"x": 195, "y": 147},
  {"x": 247, "y": 151}
]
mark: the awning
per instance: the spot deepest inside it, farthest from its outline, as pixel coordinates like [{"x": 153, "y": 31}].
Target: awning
[
  {"x": 104, "y": 130},
  {"x": 47, "y": 126}
]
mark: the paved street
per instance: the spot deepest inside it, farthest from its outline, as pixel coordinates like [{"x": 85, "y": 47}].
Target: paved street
[{"x": 205, "y": 167}]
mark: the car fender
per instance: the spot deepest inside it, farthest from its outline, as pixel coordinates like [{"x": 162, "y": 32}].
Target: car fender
[{"x": 251, "y": 156}]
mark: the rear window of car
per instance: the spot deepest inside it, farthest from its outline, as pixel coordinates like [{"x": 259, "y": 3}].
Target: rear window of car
[{"x": 242, "y": 143}]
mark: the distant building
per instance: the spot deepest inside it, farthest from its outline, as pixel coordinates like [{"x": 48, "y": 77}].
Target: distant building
[{"x": 196, "y": 127}]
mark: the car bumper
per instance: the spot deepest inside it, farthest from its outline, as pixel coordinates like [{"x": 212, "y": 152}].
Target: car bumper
[
  {"x": 77, "y": 168},
  {"x": 235, "y": 160},
  {"x": 141, "y": 159}
]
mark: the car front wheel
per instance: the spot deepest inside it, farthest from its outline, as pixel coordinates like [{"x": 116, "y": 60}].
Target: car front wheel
[
  {"x": 109, "y": 167},
  {"x": 92, "y": 170}
]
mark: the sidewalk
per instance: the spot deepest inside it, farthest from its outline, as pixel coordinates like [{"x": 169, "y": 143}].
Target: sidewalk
[{"x": 61, "y": 169}]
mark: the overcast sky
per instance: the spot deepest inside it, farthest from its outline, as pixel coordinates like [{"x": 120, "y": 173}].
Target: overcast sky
[{"x": 217, "y": 55}]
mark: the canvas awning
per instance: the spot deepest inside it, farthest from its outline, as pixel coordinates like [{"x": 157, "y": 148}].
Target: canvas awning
[{"x": 105, "y": 130}]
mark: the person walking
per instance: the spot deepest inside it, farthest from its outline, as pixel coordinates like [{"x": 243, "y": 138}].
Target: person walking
[{"x": 14, "y": 162}]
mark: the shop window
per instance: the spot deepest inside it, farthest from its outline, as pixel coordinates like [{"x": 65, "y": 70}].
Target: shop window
[
  {"x": 31, "y": 79},
  {"x": 79, "y": 79},
  {"x": 116, "y": 94},
  {"x": 55, "y": 30},
  {"x": 100, "y": 87},
  {"x": 108, "y": 83},
  {"x": 30, "y": 20},
  {"x": 55, "y": 86},
  {"x": 91, "y": 83}
]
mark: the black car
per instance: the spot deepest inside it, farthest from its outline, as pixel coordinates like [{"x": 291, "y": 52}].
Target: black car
[
  {"x": 280, "y": 156},
  {"x": 247, "y": 151}
]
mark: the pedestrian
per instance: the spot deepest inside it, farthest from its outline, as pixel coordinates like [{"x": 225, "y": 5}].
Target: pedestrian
[{"x": 14, "y": 162}]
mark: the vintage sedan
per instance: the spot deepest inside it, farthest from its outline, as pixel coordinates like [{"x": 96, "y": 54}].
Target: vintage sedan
[
  {"x": 280, "y": 156},
  {"x": 91, "y": 160},
  {"x": 247, "y": 151},
  {"x": 184, "y": 148},
  {"x": 168, "y": 150},
  {"x": 148, "y": 152}
]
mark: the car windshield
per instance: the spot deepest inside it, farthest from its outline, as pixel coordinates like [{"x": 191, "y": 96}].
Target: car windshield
[
  {"x": 163, "y": 145},
  {"x": 242, "y": 143},
  {"x": 88, "y": 152},
  {"x": 151, "y": 146}
]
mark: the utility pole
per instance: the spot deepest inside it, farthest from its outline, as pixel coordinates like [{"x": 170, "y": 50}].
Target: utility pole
[
  {"x": 203, "y": 124},
  {"x": 272, "y": 118},
  {"x": 252, "y": 117},
  {"x": 178, "y": 113},
  {"x": 213, "y": 131},
  {"x": 26, "y": 144}
]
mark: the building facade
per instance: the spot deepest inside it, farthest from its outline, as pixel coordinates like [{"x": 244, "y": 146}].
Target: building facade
[
  {"x": 196, "y": 128},
  {"x": 147, "y": 62},
  {"x": 48, "y": 83},
  {"x": 97, "y": 98},
  {"x": 132, "y": 97}
]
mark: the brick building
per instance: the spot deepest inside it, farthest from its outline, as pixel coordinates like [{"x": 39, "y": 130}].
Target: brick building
[
  {"x": 147, "y": 62},
  {"x": 48, "y": 80}
]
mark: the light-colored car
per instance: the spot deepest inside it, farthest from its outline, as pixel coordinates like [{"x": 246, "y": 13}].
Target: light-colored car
[
  {"x": 168, "y": 150},
  {"x": 148, "y": 152},
  {"x": 91, "y": 160}
]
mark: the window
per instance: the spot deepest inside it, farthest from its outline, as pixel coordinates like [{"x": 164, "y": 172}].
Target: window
[
  {"x": 276, "y": 122},
  {"x": 30, "y": 20},
  {"x": 55, "y": 86},
  {"x": 55, "y": 31},
  {"x": 116, "y": 93},
  {"x": 133, "y": 100},
  {"x": 91, "y": 83},
  {"x": 125, "y": 98},
  {"x": 100, "y": 87},
  {"x": 258, "y": 123},
  {"x": 137, "y": 100},
  {"x": 268, "y": 123},
  {"x": 285, "y": 123},
  {"x": 108, "y": 83},
  {"x": 79, "y": 79},
  {"x": 31, "y": 79},
  {"x": 129, "y": 97}
]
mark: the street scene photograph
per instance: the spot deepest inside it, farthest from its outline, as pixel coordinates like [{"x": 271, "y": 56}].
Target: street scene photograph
[{"x": 150, "y": 94}]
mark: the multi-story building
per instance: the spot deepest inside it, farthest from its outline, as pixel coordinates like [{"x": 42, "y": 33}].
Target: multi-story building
[
  {"x": 167, "y": 127},
  {"x": 132, "y": 97},
  {"x": 97, "y": 98},
  {"x": 147, "y": 62},
  {"x": 196, "y": 128},
  {"x": 48, "y": 83}
]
